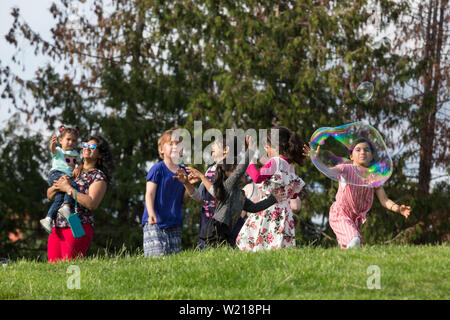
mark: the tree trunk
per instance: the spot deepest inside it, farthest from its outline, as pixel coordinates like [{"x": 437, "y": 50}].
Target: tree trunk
[{"x": 432, "y": 79}]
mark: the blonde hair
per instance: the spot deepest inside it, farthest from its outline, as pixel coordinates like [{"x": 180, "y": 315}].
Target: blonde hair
[{"x": 166, "y": 137}]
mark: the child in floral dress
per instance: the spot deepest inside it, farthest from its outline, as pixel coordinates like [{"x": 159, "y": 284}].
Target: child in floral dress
[{"x": 274, "y": 227}]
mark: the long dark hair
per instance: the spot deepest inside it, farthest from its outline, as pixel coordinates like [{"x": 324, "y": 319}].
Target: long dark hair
[
  {"x": 289, "y": 144},
  {"x": 228, "y": 165},
  {"x": 106, "y": 162}
]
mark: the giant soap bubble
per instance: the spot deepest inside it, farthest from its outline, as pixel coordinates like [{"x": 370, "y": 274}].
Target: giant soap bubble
[{"x": 331, "y": 149}]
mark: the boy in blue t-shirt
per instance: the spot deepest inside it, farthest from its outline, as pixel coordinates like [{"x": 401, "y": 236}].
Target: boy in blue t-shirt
[{"x": 162, "y": 219}]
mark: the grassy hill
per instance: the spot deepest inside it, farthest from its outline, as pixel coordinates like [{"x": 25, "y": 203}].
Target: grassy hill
[{"x": 405, "y": 272}]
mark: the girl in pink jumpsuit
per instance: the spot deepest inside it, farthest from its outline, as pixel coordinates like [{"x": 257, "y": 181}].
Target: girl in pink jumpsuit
[{"x": 348, "y": 212}]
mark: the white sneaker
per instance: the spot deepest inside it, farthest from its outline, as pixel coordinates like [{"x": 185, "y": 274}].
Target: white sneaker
[
  {"x": 354, "y": 243},
  {"x": 64, "y": 211},
  {"x": 46, "y": 225}
]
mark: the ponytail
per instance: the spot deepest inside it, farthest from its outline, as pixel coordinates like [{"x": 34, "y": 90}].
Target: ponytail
[{"x": 219, "y": 189}]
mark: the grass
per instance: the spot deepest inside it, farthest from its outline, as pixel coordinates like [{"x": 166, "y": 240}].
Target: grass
[{"x": 406, "y": 272}]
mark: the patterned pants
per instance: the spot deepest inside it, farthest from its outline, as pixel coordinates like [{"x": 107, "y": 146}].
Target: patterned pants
[{"x": 159, "y": 241}]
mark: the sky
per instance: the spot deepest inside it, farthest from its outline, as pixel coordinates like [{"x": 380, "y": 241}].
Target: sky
[{"x": 37, "y": 15}]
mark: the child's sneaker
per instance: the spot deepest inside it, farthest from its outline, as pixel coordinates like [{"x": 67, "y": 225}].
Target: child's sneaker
[
  {"x": 46, "y": 225},
  {"x": 354, "y": 243},
  {"x": 64, "y": 211}
]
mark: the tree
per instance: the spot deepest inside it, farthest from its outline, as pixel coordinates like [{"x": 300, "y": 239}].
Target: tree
[
  {"x": 427, "y": 26},
  {"x": 133, "y": 69},
  {"x": 22, "y": 191}
]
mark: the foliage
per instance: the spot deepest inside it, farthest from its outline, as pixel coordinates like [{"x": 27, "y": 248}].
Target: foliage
[{"x": 132, "y": 69}]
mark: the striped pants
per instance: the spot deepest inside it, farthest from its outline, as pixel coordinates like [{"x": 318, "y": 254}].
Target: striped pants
[{"x": 345, "y": 226}]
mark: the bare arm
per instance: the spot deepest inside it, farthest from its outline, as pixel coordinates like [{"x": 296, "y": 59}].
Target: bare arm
[
  {"x": 150, "y": 193},
  {"x": 197, "y": 174},
  {"x": 334, "y": 171},
  {"x": 53, "y": 145},
  {"x": 51, "y": 192},
  {"x": 90, "y": 201},
  {"x": 391, "y": 205}
]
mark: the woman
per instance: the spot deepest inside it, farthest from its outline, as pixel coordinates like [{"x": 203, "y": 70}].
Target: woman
[{"x": 91, "y": 188}]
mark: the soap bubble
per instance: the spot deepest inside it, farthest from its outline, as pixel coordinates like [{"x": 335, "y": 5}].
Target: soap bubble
[
  {"x": 331, "y": 149},
  {"x": 364, "y": 92}
]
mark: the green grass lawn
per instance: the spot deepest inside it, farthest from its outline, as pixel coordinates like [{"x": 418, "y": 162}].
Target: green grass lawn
[{"x": 406, "y": 272}]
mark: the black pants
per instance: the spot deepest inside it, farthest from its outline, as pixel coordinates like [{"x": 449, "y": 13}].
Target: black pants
[{"x": 216, "y": 233}]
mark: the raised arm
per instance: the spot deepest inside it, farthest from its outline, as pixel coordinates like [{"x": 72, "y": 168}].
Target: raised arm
[
  {"x": 53, "y": 145},
  {"x": 333, "y": 171},
  {"x": 237, "y": 174}
]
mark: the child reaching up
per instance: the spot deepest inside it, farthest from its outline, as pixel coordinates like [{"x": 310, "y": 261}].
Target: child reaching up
[
  {"x": 230, "y": 199},
  {"x": 64, "y": 160},
  {"x": 274, "y": 227},
  {"x": 348, "y": 212},
  {"x": 220, "y": 148}
]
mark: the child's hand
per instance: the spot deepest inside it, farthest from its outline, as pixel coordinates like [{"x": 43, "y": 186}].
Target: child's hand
[
  {"x": 194, "y": 173},
  {"x": 405, "y": 211},
  {"x": 62, "y": 184},
  {"x": 192, "y": 179},
  {"x": 181, "y": 176},
  {"x": 152, "y": 218},
  {"x": 307, "y": 150},
  {"x": 250, "y": 143}
]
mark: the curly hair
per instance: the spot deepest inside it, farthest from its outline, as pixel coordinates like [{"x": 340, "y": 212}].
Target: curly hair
[{"x": 106, "y": 162}]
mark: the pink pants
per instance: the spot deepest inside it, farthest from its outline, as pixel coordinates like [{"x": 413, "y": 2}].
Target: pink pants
[
  {"x": 63, "y": 246},
  {"x": 345, "y": 228}
]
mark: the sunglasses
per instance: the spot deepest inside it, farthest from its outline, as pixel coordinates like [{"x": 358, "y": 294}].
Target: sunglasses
[
  {"x": 69, "y": 160},
  {"x": 87, "y": 145}
]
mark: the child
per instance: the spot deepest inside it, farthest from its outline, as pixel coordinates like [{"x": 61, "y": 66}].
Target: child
[
  {"x": 219, "y": 150},
  {"x": 230, "y": 200},
  {"x": 348, "y": 212},
  {"x": 64, "y": 160},
  {"x": 274, "y": 228},
  {"x": 162, "y": 218}
]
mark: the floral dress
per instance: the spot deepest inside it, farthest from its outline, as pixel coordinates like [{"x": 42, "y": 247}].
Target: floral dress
[{"x": 274, "y": 227}]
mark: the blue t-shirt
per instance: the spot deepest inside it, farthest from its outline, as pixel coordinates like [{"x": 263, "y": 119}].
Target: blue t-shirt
[{"x": 168, "y": 198}]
